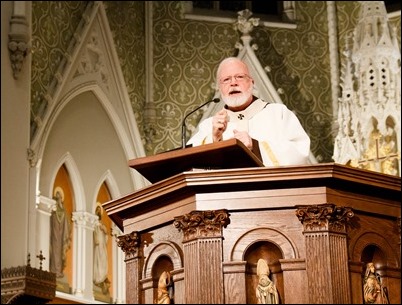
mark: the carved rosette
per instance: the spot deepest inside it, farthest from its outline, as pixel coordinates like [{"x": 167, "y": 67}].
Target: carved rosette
[
  {"x": 324, "y": 217},
  {"x": 202, "y": 224},
  {"x": 129, "y": 243}
]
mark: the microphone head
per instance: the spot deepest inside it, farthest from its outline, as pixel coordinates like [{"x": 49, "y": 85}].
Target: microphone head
[{"x": 216, "y": 100}]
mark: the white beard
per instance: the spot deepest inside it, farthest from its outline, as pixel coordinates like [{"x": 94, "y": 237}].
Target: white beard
[{"x": 237, "y": 101}]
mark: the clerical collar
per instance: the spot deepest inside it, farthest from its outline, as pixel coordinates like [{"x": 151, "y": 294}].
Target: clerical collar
[{"x": 256, "y": 106}]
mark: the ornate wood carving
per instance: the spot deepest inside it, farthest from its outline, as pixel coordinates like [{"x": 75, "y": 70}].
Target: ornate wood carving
[
  {"x": 130, "y": 244},
  {"x": 325, "y": 217},
  {"x": 321, "y": 245},
  {"x": 202, "y": 247},
  {"x": 24, "y": 284},
  {"x": 202, "y": 224},
  {"x": 326, "y": 247}
]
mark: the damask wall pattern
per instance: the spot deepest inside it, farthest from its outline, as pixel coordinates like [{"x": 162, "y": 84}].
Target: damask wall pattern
[
  {"x": 298, "y": 61},
  {"x": 187, "y": 54},
  {"x": 127, "y": 24},
  {"x": 185, "y": 57},
  {"x": 53, "y": 26}
]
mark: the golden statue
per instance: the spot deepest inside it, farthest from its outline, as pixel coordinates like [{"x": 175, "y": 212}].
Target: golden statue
[
  {"x": 374, "y": 292},
  {"x": 165, "y": 288}
]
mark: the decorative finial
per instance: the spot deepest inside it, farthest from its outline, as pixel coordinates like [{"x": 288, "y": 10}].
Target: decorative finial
[
  {"x": 244, "y": 23},
  {"x": 41, "y": 258}
]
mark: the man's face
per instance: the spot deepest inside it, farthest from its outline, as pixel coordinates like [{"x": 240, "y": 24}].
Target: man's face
[{"x": 235, "y": 84}]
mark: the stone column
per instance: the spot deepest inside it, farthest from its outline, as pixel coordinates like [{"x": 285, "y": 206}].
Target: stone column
[
  {"x": 130, "y": 244},
  {"x": 83, "y": 255},
  {"x": 44, "y": 212},
  {"x": 324, "y": 229},
  {"x": 203, "y": 255}
]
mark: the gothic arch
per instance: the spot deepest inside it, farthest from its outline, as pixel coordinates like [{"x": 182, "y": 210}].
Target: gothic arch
[
  {"x": 111, "y": 184},
  {"x": 75, "y": 179}
]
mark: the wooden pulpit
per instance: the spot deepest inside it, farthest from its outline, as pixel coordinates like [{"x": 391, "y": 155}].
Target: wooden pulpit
[
  {"x": 316, "y": 226},
  {"x": 220, "y": 155}
]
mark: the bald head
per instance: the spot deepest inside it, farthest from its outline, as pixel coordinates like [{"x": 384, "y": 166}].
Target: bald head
[
  {"x": 235, "y": 83},
  {"x": 231, "y": 63}
]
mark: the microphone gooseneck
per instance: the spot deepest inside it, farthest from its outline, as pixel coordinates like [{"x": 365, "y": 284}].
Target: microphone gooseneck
[{"x": 183, "y": 124}]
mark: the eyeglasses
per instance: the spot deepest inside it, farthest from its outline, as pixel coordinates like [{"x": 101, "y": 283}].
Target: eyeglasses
[{"x": 238, "y": 77}]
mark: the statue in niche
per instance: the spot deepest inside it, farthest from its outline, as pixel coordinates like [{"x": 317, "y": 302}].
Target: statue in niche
[
  {"x": 266, "y": 290},
  {"x": 60, "y": 235},
  {"x": 100, "y": 271},
  {"x": 165, "y": 288},
  {"x": 373, "y": 290}
]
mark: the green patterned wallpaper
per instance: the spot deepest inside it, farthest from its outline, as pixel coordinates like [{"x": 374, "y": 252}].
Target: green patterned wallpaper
[
  {"x": 127, "y": 23},
  {"x": 187, "y": 54},
  {"x": 185, "y": 57},
  {"x": 53, "y": 26},
  {"x": 299, "y": 62}
]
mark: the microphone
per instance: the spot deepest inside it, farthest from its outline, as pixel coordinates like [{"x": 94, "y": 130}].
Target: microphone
[{"x": 183, "y": 124}]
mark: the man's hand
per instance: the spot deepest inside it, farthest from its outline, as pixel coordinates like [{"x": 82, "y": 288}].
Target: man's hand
[
  {"x": 244, "y": 137},
  {"x": 219, "y": 124}
]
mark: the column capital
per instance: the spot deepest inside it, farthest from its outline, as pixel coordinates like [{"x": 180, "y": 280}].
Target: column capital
[
  {"x": 324, "y": 217},
  {"x": 84, "y": 219},
  {"x": 129, "y": 243},
  {"x": 202, "y": 224}
]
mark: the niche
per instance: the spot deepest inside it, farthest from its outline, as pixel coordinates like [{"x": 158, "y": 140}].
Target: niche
[{"x": 271, "y": 253}]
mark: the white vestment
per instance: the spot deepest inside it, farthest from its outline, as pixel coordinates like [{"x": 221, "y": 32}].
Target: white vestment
[{"x": 282, "y": 140}]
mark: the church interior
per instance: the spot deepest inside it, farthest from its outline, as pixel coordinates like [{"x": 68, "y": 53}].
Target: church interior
[{"x": 90, "y": 86}]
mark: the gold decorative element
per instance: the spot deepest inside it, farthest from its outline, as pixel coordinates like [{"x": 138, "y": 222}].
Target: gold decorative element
[
  {"x": 165, "y": 288},
  {"x": 59, "y": 190},
  {"x": 381, "y": 154},
  {"x": 202, "y": 223},
  {"x": 270, "y": 153},
  {"x": 373, "y": 289}
]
